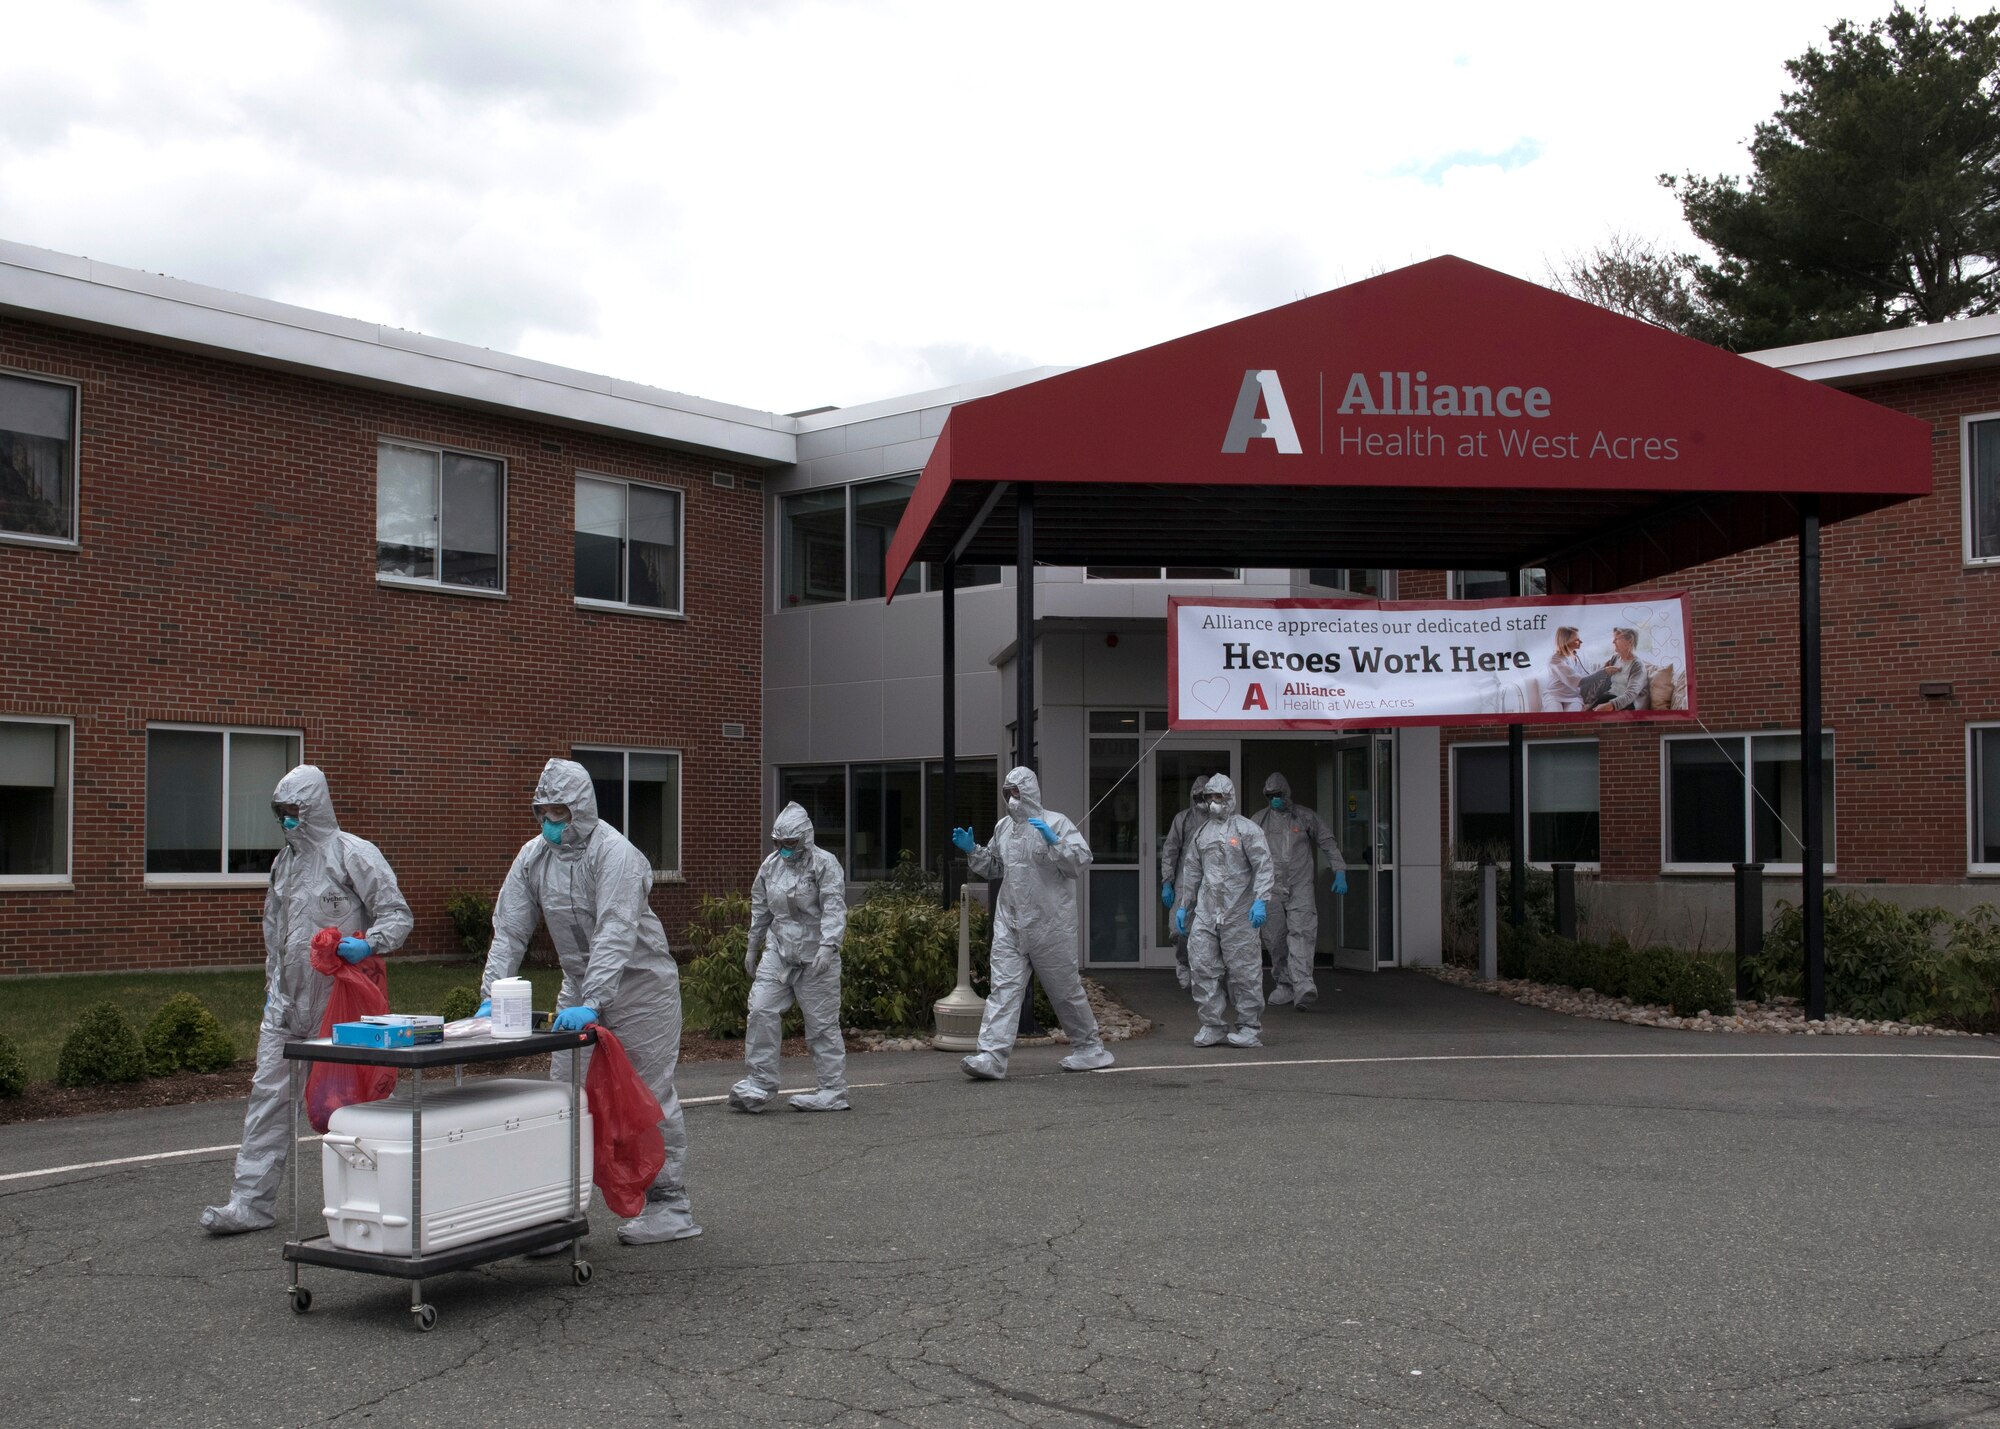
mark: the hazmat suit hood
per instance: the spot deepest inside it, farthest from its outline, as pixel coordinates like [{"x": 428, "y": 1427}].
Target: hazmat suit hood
[
  {"x": 1281, "y": 786},
  {"x": 794, "y": 822},
  {"x": 564, "y": 781},
  {"x": 1197, "y": 789},
  {"x": 1225, "y": 787},
  {"x": 306, "y": 787},
  {"x": 1024, "y": 780}
]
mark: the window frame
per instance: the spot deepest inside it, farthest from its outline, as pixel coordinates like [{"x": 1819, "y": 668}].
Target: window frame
[
  {"x": 1454, "y": 585},
  {"x": 1967, "y": 525},
  {"x": 221, "y": 878},
  {"x": 1595, "y": 865},
  {"x": 848, "y": 597},
  {"x": 676, "y": 874},
  {"x": 1746, "y": 767},
  {"x": 1386, "y": 578},
  {"x": 1163, "y": 578},
  {"x": 1974, "y": 867},
  {"x": 437, "y": 582},
  {"x": 67, "y": 878},
  {"x": 626, "y": 607},
  {"x": 75, "y": 539}
]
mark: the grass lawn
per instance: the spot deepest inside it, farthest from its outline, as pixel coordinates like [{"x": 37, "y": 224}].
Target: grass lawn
[{"x": 36, "y": 1012}]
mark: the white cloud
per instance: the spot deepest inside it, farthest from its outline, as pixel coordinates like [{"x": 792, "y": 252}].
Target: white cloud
[{"x": 793, "y": 202}]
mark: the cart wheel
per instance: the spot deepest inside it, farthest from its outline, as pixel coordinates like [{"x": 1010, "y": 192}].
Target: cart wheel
[
  {"x": 427, "y": 1317},
  {"x": 580, "y": 1272},
  {"x": 302, "y": 1299}
]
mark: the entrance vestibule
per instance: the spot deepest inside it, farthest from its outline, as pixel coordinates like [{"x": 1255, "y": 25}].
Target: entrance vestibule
[{"x": 1140, "y": 779}]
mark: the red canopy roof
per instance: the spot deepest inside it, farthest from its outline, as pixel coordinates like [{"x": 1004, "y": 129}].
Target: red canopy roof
[{"x": 1441, "y": 416}]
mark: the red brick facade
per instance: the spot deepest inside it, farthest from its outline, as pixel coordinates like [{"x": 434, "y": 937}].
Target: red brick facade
[
  {"x": 1899, "y": 608},
  {"x": 226, "y": 576}
]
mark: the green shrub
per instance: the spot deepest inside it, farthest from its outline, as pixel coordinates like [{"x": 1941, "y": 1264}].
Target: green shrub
[
  {"x": 103, "y": 1046},
  {"x": 184, "y": 1036},
  {"x": 460, "y": 1002},
  {"x": 1884, "y": 961},
  {"x": 899, "y": 957},
  {"x": 471, "y": 917},
  {"x": 1685, "y": 982},
  {"x": 13, "y": 1071}
]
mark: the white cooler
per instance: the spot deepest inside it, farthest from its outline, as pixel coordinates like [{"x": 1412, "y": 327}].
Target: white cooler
[{"x": 496, "y": 1159}]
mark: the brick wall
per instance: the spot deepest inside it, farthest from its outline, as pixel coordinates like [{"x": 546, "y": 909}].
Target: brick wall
[
  {"x": 1898, "y": 607},
  {"x": 226, "y": 575}
]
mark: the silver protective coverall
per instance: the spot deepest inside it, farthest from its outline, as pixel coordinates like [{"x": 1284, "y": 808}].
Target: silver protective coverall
[
  {"x": 1173, "y": 854},
  {"x": 1034, "y": 930},
  {"x": 798, "y": 917},
  {"x": 1292, "y": 931},
  {"x": 1228, "y": 869},
  {"x": 591, "y": 893},
  {"x": 321, "y": 878}
]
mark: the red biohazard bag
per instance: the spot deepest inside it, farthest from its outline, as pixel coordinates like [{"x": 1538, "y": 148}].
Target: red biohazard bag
[
  {"x": 359, "y": 990},
  {"x": 626, "y": 1149}
]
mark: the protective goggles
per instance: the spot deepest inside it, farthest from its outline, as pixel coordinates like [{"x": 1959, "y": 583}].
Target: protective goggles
[
  {"x": 1010, "y": 792},
  {"x": 555, "y": 813},
  {"x": 789, "y": 845},
  {"x": 285, "y": 811}
]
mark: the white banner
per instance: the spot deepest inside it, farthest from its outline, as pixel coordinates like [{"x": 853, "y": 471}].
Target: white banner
[{"x": 1329, "y": 664}]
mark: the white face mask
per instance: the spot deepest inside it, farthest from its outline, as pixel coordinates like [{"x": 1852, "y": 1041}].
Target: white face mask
[{"x": 1014, "y": 807}]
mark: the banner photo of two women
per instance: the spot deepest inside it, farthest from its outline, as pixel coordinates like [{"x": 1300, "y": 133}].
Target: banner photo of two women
[{"x": 1329, "y": 664}]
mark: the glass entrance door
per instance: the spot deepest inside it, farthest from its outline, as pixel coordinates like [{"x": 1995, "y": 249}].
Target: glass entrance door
[{"x": 1364, "y": 822}]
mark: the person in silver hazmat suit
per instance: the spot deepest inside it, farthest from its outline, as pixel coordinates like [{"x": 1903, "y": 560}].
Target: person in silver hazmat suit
[
  {"x": 1173, "y": 852},
  {"x": 1292, "y": 931},
  {"x": 798, "y": 917},
  {"x": 588, "y": 884},
  {"x": 324, "y": 877},
  {"x": 1038, "y": 854},
  {"x": 1224, "y": 900}
]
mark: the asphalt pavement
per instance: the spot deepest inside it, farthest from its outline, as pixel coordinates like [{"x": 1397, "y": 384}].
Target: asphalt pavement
[{"x": 1416, "y": 1206}]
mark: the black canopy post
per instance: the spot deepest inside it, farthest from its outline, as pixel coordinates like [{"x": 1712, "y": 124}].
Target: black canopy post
[
  {"x": 1024, "y": 623},
  {"x": 1517, "y": 803},
  {"x": 949, "y": 851},
  {"x": 1024, "y": 671},
  {"x": 1811, "y": 858}
]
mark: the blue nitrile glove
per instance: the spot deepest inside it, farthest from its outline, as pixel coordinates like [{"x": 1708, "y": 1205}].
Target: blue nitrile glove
[
  {"x": 1167, "y": 894},
  {"x": 1340, "y": 881},
  {"x": 964, "y": 840},
  {"x": 1180, "y": 921},
  {"x": 575, "y": 1019},
  {"x": 1041, "y": 826},
  {"x": 354, "y": 949},
  {"x": 485, "y": 1009},
  {"x": 1257, "y": 914}
]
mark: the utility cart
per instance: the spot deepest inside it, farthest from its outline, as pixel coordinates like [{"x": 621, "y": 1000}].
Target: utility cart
[{"x": 419, "y": 1264}]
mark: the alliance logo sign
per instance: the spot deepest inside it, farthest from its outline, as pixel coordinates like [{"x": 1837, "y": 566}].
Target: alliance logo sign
[{"x": 1261, "y": 413}]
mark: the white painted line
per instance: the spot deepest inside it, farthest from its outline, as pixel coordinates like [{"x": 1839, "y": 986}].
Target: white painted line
[
  {"x": 1235, "y": 1064},
  {"x": 117, "y": 1161}
]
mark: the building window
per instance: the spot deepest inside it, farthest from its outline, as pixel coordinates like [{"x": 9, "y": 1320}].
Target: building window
[
  {"x": 639, "y": 794},
  {"x": 38, "y": 447},
  {"x": 834, "y": 545},
  {"x": 1729, "y": 793},
  {"x": 1984, "y": 754},
  {"x": 1979, "y": 445},
  {"x": 34, "y": 801},
  {"x": 628, "y": 543},
  {"x": 878, "y": 506},
  {"x": 975, "y": 796},
  {"x": 1377, "y": 585},
  {"x": 1561, "y": 779},
  {"x": 439, "y": 516},
  {"x": 208, "y": 801},
  {"x": 1161, "y": 573},
  {"x": 1493, "y": 585},
  {"x": 885, "y": 818},
  {"x": 821, "y": 790}
]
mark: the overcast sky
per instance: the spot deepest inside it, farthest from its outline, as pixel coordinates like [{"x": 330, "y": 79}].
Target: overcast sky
[{"x": 799, "y": 203}]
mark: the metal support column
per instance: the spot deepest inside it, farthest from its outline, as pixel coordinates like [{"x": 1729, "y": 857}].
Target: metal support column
[
  {"x": 1517, "y": 803},
  {"x": 1024, "y": 682},
  {"x": 1812, "y": 861},
  {"x": 948, "y": 853}
]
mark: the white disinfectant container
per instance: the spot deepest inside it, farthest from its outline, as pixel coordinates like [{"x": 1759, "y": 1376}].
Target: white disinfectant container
[{"x": 513, "y": 1007}]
